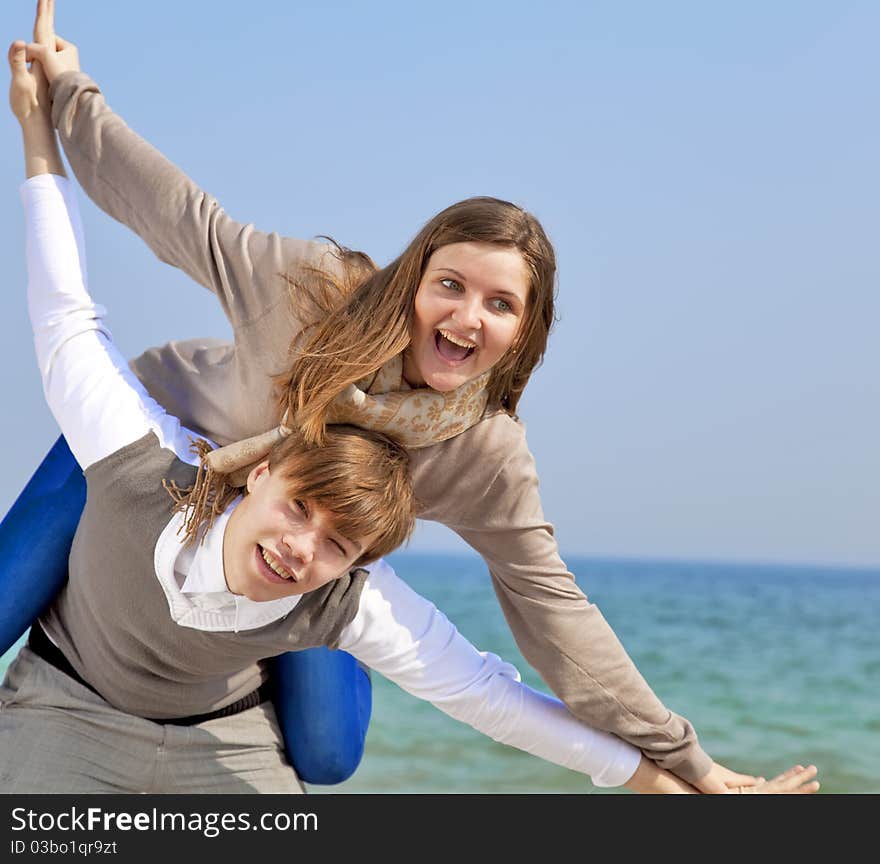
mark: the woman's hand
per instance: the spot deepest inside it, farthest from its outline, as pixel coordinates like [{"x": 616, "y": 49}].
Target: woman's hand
[
  {"x": 54, "y": 54},
  {"x": 62, "y": 57},
  {"x": 650, "y": 779},
  {"x": 721, "y": 780},
  {"x": 44, "y": 23},
  {"x": 795, "y": 781}
]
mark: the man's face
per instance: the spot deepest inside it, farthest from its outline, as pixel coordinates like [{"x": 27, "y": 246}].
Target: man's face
[{"x": 276, "y": 546}]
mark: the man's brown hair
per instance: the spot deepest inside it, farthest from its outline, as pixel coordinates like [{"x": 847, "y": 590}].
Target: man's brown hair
[{"x": 360, "y": 476}]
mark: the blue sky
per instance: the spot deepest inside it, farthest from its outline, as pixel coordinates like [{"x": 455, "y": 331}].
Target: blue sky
[{"x": 708, "y": 173}]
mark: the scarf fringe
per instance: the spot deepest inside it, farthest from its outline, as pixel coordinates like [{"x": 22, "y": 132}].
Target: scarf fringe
[{"x": 207, "y": 498}]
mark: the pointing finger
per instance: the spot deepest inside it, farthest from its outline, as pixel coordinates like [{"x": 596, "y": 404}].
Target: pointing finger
[{"x": 44, "y": 23}]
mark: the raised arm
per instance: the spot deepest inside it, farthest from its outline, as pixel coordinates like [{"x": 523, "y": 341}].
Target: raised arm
[
  {"x": 201, "y": 381},
  {"x": 99, "y": 405},
  {"x": 135, "y": 184},
  {"x": 183, "y": 225}
]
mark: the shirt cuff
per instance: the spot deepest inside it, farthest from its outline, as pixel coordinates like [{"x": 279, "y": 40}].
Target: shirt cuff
[
  {"x": 45, "y": 181},
  {"x": 621, "y": 768}
]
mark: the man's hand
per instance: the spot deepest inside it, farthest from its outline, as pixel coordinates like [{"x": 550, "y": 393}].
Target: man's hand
[
  {"x": 28, "y": 91},
  {"x": 29, "y": 101},
  {"x": 651, "y": 779}
]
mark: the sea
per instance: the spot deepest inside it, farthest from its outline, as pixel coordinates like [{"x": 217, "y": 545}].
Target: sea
[{"x": 774, "y": 666}]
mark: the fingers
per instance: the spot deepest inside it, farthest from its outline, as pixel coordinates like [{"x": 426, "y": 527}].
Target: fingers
[
  {"x": 796, "y": 771},
  {"x": 35, "y": 51},
  {"x": 711, "y": 786},
  {"x": 796, "y": 777},
  {"x": 721, "y": 780},
  {"x": 734, "y": 779},
  {"x": 796, "y": 781},
  {"x": 44, "y": 23},
  {"x": 18, "y": 57},
  {"x": 806, "y": 789},
  {"x": 38, "y": 51},
  {"x": 55, "y": 59}
]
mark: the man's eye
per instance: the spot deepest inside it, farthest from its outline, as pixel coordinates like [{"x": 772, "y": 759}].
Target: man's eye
[{"x": 451, "y": 284}]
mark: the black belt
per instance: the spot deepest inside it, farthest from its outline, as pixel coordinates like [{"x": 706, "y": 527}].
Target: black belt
[{"x": 47, "y": 650}]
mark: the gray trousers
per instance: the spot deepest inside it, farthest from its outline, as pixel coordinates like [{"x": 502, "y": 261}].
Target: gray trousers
[{"x": 57, "y": 736}]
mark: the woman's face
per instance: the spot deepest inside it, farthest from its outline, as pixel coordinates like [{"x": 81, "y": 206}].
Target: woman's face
[
  {"x": 276, "y": 546},
  {"x": 469, "y": 306}
]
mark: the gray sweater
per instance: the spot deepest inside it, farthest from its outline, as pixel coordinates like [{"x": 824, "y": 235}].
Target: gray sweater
[{"x": 481, "y": 484}]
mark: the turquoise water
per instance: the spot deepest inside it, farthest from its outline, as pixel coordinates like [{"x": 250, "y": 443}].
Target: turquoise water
[{"x": 773, "y": 665}]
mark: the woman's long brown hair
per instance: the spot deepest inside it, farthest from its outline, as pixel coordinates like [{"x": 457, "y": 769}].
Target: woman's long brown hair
[{"x": 361, "y": 321}]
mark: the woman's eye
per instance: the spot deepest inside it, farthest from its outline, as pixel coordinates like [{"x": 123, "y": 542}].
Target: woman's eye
[
  {"x": 451, "y": 284},
  {"x": 502, "y": 305},
  {"x": 302, "y": 507}
]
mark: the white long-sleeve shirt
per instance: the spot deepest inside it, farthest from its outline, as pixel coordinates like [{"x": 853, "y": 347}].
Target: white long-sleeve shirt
[{"x": 101, "y": 406}]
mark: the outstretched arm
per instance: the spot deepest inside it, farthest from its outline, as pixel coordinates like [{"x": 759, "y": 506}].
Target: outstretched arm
[
  {"x": 406, "y": 638},
  {"x": 492, "y": 500}
]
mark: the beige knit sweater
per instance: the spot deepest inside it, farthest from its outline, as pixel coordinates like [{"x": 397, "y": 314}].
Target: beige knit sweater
[{"x": 482, "y": 484}]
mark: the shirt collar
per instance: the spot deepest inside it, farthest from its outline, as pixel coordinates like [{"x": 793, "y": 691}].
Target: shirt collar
[{"x": 205, "y": 574}]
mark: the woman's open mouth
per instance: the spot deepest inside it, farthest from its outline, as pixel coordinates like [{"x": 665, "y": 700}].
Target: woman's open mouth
[
  {"x": 451, "y": 347},
  {"x": 272, "y": 568}
]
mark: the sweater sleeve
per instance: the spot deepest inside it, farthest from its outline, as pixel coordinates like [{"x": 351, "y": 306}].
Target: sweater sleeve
[
  {"x": 407, "y": 639},
  {"x": 220, "y": 390},
  {"x": 484, "y": 486},
  {"x": 184, "y": 226}
]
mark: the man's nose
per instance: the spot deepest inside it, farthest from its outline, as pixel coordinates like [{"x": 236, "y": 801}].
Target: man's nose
[{"x": 301, "y": 546}]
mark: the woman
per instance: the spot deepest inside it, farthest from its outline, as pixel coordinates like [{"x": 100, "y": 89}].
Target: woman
[{"x": 434, "y": 349}]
